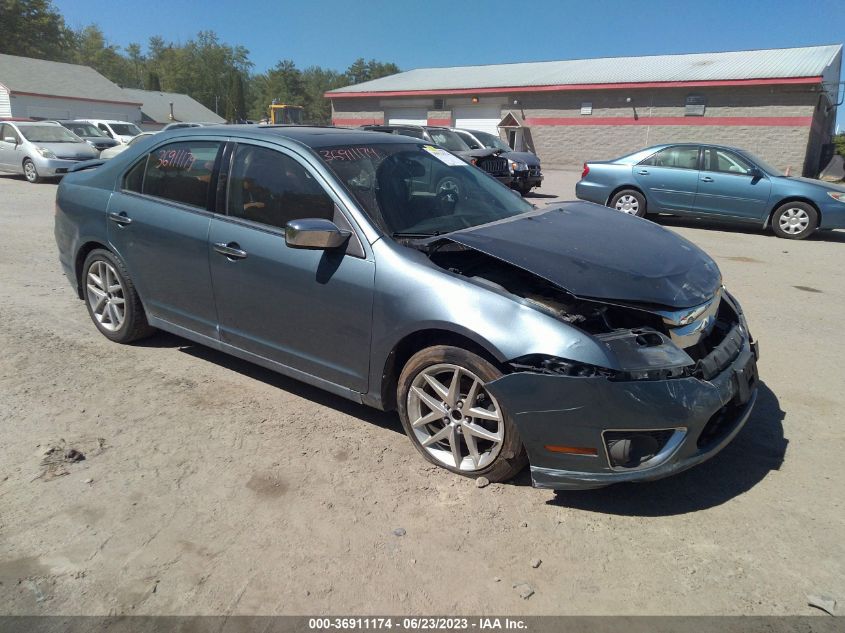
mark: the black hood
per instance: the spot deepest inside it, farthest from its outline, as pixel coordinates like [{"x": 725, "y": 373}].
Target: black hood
[{"x": 595, "y": 252}]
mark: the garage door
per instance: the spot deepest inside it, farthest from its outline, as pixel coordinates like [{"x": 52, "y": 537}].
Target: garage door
[
  {"x": 478, "y": 117},
  {"x": 407, "y": 116}
]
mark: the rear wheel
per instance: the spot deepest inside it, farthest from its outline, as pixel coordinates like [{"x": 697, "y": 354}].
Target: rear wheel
[
  {"x": 524, "y": 189},
  {"x": 451, "y": 418},
  {"x": 629, "y": 201},
  {"x": 795, "y": 220},
  {"x": 113, "y": 303},
  {"x": 30, "y": 172}
]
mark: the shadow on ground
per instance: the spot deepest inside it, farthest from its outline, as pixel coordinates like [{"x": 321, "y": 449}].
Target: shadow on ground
[
  {"x": 758, "y": 449},
  {"x": 730, "y": 227},
  {"x": 386, "y": 420},
  {"x": 537, "y": 194}
]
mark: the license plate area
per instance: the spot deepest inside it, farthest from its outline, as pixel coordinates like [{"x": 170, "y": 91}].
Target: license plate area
[{"x": 745, "y": 379}]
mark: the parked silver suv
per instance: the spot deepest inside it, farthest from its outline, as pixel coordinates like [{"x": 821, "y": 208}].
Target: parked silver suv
[{"x": 40, "y": 149}]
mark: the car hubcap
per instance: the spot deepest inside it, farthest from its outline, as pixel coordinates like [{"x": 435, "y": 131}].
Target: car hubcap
[
  {"x": 29, "y": 171},
  {"x": 794, "y": 221},
  {"x": 454, "y": 418},
  {"x": 106, "y": 296},
  {"x": 628, "y": 204}
]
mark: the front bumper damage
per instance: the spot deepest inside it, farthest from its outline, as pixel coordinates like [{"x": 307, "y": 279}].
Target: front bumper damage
[{"x": 694, "y": 417}]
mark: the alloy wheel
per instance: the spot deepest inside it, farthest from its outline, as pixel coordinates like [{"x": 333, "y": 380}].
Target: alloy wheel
[
  {"x": 454, "y": 418},
  {"x": 29, "y": 171},
  {"x": 794, "y": 221},
  {"x": 628, "y": 204},
  {"x": 106, "y": 295}
]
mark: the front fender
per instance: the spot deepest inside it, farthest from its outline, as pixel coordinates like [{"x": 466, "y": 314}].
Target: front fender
[{"x": 412, "y": 294}]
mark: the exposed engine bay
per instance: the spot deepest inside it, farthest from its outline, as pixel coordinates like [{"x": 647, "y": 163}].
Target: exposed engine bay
[{"x": 643, "y": 338}]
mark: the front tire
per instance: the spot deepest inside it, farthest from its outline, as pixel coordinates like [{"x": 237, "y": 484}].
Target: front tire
[
  {"x": 451, "y": 418},
  {"x": 629, "y": 201},
  {"x": 112, "y": 301},
  {"x": 795, "y": 220},
  {"x": 30, "y": 172}
]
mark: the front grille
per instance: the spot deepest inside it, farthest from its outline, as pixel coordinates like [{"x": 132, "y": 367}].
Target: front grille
[
  {"x": 68, "y": 157},
  {"x": 494, "y": 166},
  {"x": 534, "y": 171}
]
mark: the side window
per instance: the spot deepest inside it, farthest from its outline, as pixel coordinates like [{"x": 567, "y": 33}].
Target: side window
[
  {"x": 473, "y": 144},
  {"x": 679, "y": 157},
  {"x": 181, "y": 172},
  {"x": 7, "y": 131},
  {"x": 269, "y": 187},
  {"x": 724, "y": 161},
  {"x": 134, "y": 178},
  {"x": 105, "y": 129}
]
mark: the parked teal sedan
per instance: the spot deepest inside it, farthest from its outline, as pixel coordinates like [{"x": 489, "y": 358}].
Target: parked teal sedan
[{"x": 712, "y": 181}]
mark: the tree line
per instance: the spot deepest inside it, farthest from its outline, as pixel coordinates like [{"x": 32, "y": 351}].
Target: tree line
[{"x": 217, "y": 74}]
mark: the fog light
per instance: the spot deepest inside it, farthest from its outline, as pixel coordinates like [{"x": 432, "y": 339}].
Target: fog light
[{"x": 631, "y": 449}]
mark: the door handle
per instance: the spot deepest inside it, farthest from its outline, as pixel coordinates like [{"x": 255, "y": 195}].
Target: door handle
[
  {"x": 643, "y": 172},
  {"x": 120, "y": 218},
  {"x": 232, "y": 250},
  {"x": 707, "y": 179}
]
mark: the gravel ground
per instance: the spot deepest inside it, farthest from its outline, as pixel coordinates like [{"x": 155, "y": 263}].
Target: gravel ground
[{"x": 211, "y": 486}]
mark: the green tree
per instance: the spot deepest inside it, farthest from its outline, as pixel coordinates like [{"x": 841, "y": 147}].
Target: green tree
[
  {"x": 93, "y": 50},
  {"x": 34, "y": 28},
  {"x": 237, "y": 99},
  {"x": 839, "y": 142},
  {"x": 152, "y": 82},
  {"x": 361, "y": 71}
]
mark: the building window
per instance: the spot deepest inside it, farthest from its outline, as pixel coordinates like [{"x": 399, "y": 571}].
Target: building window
[
  {"x": 587, "y": 108},
  {"x": 695, "y": 105}
]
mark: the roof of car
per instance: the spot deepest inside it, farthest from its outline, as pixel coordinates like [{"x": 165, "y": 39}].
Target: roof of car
[
  {"x": 33, "y": 123},
  {"x": 312, "y": 136}
]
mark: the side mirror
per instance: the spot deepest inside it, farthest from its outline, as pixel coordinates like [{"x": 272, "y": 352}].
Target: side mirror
[
  {"x": 11, "y": 139},
  {"x": 314, "y": 234},
  {"x": 756, "y": 173}
]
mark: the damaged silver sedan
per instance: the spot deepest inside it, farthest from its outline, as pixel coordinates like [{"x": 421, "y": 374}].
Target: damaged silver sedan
[{"x": 595, "y": 346}]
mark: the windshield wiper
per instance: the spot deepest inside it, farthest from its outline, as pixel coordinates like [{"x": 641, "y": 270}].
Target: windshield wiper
[{"x": 415, "y": 235}]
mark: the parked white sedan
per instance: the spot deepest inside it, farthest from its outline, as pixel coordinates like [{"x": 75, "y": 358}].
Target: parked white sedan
[{"x": 111, "y": 152}]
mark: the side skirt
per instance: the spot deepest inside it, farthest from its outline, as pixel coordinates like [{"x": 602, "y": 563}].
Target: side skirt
[{"x": 290, "y": 372}]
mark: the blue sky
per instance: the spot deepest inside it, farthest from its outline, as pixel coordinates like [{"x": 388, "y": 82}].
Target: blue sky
[{"x": 415, "y": 33}]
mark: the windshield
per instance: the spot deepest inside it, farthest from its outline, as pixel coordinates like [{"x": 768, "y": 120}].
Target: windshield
[
  {"x": 83, "y": 129},
  {"x": 124, "y": 129},
  {"x": 48, "y": 134},
  {"x": 772, "y": 171},
  {"x": 448, "y": 139},
  {"x": 415, "y": 190},
  {"x": 492, "y": 141}
]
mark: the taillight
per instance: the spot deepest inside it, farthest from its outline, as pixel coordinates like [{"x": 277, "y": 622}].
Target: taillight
[{"x": 586, "y": 171}]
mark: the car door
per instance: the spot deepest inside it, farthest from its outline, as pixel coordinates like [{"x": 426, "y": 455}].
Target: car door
[
  {"x": 730, "y": 185},
  {"x": 669, "y": 178},
  {"x": 158, "y": 222},
  {"x": 310, "y": 310},
  {"x": 9, "y": 151}
]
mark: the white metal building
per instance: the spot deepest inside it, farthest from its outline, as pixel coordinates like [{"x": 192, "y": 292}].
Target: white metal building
[{"x": 41, "y": 89}]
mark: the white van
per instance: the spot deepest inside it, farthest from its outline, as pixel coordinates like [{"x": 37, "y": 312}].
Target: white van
[{"x": 121, "y": 131}]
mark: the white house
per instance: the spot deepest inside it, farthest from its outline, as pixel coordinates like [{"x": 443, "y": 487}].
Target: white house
[{"x": 41, "y": 89}]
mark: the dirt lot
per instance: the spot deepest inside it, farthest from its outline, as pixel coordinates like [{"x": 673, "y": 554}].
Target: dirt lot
[{"x": 211, "y": 486}]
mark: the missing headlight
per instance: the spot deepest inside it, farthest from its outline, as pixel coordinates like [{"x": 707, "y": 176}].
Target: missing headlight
[{"x": 555, "y": 366}]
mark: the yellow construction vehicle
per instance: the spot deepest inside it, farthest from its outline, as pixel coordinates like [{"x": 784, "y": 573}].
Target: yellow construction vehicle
[{"x": 282, "y": 113}]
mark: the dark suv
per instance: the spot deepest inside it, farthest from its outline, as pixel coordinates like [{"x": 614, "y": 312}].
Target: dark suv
[
  {"x": 524, "y": 166},
  {"x": 89, "y": 133},
  {"x": 486, "y": 159}
]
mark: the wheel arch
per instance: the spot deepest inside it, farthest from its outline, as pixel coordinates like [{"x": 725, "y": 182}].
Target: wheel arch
[
  {"x": 622, "y": 188},
  {"x": 787, "y": 199},
  {"x": 419, "y": 340},
  {"x": 79, "y": 260}
]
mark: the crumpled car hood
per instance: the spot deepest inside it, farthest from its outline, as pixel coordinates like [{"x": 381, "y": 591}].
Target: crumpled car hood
[
  {"x": 524, "y": 157},
  {"x": 595, "y": 252}
]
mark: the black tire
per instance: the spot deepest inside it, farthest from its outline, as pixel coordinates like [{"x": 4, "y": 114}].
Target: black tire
[
  {"x": 30, "y": 172},
  {"x": 524, "y": 189},
  {"x": 801, "y": 211},
  {"x": 511, "y": 457},
  {"x": 134, "y": 325},
  {"x": 618, "y": 199}
]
